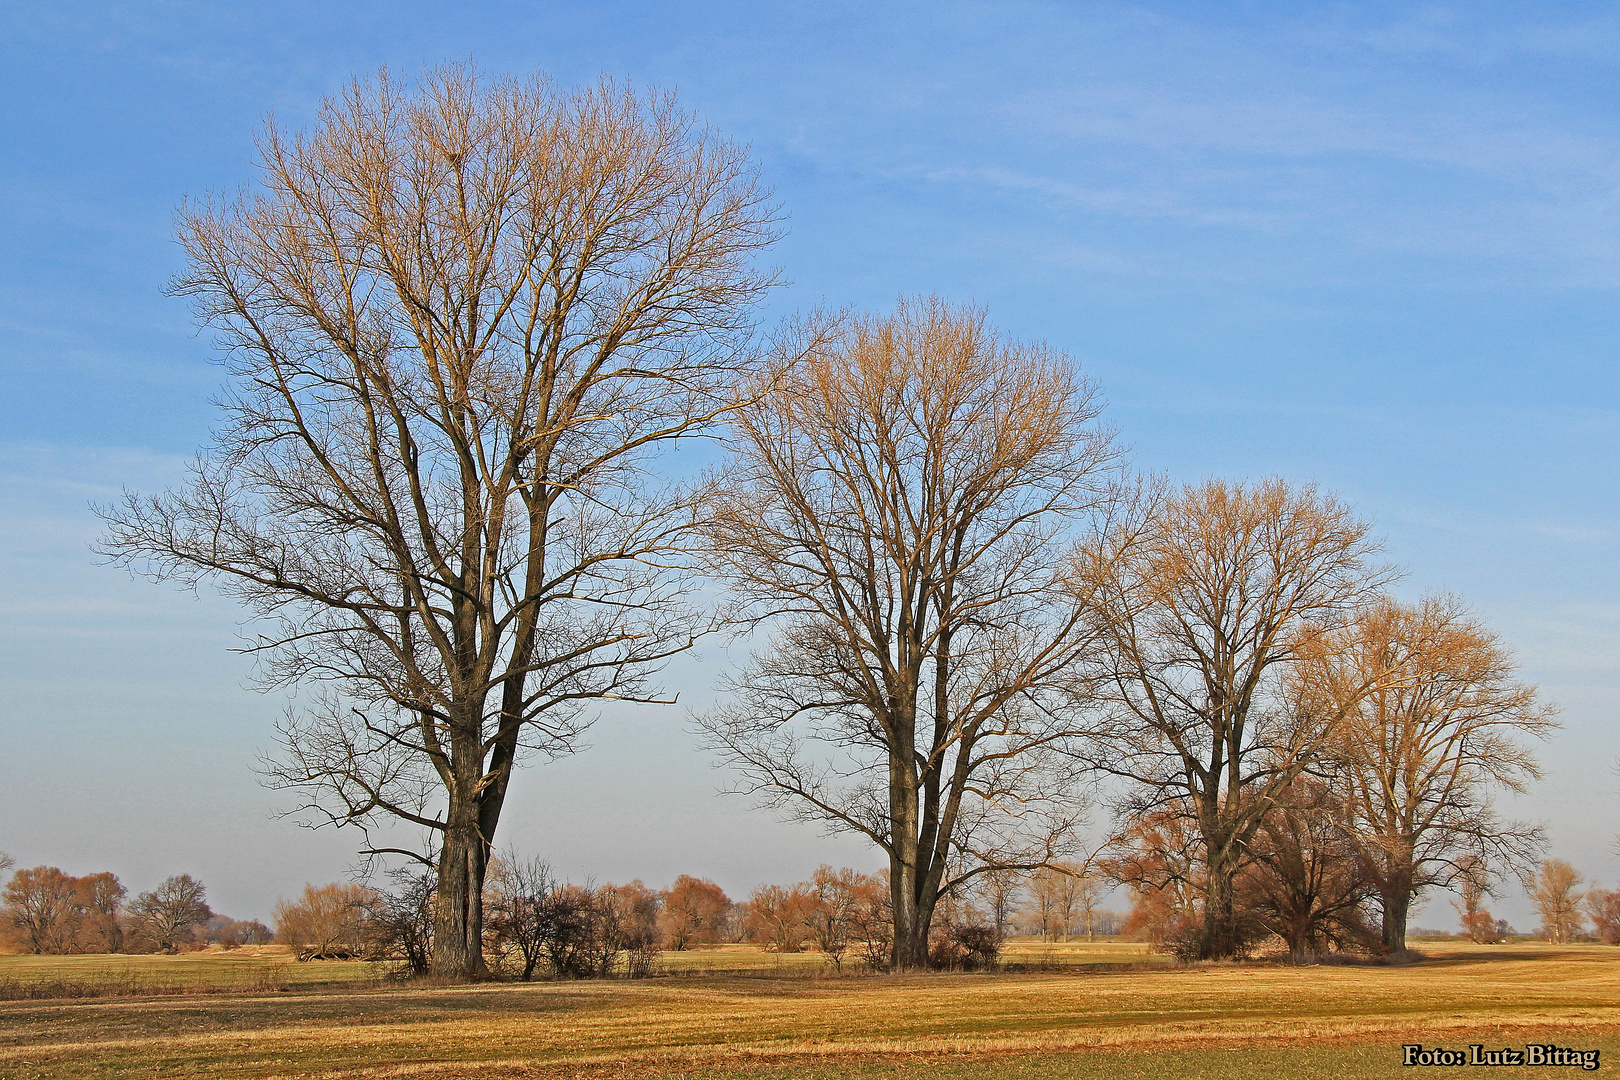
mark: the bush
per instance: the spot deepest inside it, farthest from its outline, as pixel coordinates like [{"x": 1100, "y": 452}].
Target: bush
[
  {"x": 398, "y": 923},
  {"x": 577, "y": 932},
  {"x": 971, "y": 947}
]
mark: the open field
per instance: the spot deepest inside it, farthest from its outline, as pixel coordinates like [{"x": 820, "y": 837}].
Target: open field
[
  {"x": 267, "y": 967},
  {"x": 271, "y": 967},
  {"x": 1017, "y": 953},
  {"x": 1222, "y": 1021}
]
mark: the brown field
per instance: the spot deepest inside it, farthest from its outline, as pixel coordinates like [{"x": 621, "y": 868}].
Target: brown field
[{"x": 738, "y": 1012}]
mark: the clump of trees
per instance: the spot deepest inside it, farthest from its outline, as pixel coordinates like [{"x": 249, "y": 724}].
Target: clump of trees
[
  {"x": 1350, "y": 744},
  {"x": 52, "y": 912},
  {"x": 46, "y": 911},
  {"x": 1063, "y": 900},
  {"x": 694, "y": 911}
]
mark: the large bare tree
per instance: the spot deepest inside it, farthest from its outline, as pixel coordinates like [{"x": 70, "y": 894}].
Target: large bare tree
[
  {"x": 899, "y": 517},
  {"x": 1421, "y": 752},
  {"x": 459, "y": 320},
  {"x": 1202, "y": 609}
]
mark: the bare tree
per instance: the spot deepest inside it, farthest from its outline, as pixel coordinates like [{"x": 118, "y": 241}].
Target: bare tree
[
  {"x": 627, "y": 917},
  {"x": 1309, "y": 882},
  {"x": 1603, "y": 905},
  {"x": 398, "y": 921},
  {"x": 327, "y": 922},
  {"x": 100, "y": 896},
  {"x": 1088, "y": 893},
  {"x": 166, "y": 915},
  {"x": 693, "y": 910},
  {"x": 458, "y": 322},
  {"x": 872, "y": 923},
  {"x": 1421, "y": 754},
  {"x": 1203, "y": 610},
  {"x": 1556, "y": 892},
  {"x": 1060, "y": 895},
  {"x": 900, "y": 509},
  {"x": 835, "y": 896},
  {"x": 42, "y": 905},
  {"x": 525, "y": 911},
  {"x": 779, "y": 916},
  {"x": 1001, "y": 891},
  {"x": 1473, "y": 884}
]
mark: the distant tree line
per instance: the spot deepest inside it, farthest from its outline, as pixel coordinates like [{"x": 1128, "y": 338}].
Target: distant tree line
[
  {"x": 48, "y": 912},
  {"x": 539, "y": 926}
]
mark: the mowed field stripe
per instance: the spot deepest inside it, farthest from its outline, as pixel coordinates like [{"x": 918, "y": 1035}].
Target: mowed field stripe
[{"x": 711, "y": 1023}]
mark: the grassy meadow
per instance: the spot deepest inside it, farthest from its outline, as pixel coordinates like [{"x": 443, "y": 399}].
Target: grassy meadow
[{"x": 1095, "y": 1010}]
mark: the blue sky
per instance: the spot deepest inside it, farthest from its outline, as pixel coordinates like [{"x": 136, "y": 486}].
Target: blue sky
[{"x": 1373, "y": 246}]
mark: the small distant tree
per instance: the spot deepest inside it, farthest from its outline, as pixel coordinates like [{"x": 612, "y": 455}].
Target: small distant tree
[
  {"x": 693, "y": 911},
  {"x": 219, "y": 930},
  {"x": 1556, "y": 893},
  {"x": 1473, "y": 885},
  {"x": 1050, "y": 894},
  {"x": 327, "y": 921},
  {"x": 167, "y": 915},
  {"x": 1088, "y": 893},
  {"x": 780, "y": 916},
  {"x": 1603, "y": 906},
  {"x": 1001, "y": 892},
  {"x": 229, "y": 933},
  {"x": 834, "y": 897}
]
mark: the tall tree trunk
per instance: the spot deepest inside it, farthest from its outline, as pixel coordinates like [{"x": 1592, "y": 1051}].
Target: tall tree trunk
[
  {"x": 1396, "y": 899},
  {"x": 1395, "y": 893},
  {"x": 458, "y": 909},
  {"x": 913, "y": 896},
  {"x": 1220, "y": 930}
]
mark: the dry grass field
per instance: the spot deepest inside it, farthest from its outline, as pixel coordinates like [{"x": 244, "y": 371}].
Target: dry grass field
[{"x": 1093, "y": 1018}]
